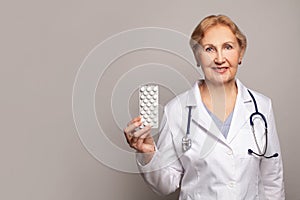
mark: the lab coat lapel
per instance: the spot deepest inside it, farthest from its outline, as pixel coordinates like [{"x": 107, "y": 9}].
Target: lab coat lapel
[
  {"x": 200, "y": 116},
  {"x": 242, "y": 111}
]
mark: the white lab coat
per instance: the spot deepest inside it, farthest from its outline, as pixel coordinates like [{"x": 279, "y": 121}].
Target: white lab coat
[{"x": 216, "y": 167}]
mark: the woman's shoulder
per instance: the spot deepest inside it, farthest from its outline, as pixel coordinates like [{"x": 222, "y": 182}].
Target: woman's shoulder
[{"x": 260, "y": 96}]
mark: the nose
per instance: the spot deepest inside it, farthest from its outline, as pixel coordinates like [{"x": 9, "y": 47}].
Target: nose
[{"x": 219, "y": 59}]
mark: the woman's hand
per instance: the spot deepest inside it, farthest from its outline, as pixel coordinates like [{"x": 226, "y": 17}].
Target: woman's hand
[{"x": 141, "y": 139}]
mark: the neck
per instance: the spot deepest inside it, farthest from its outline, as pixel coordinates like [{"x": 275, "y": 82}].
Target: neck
[
  {"x": 227, "y": 89},
  {"x": 219, "y": 99}
]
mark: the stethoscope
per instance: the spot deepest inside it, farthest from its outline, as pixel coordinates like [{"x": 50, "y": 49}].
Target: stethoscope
[{"x": 187, "y": 142}]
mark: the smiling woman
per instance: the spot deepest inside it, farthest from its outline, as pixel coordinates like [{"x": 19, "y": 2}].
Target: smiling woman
[
  {"x": 218, "y": 46},
  {"x": 222, "y": 108},
  {"x": 220, "y": 55}
]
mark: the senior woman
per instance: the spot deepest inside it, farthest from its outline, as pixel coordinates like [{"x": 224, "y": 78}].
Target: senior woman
[{"x": 225, "y": 157}]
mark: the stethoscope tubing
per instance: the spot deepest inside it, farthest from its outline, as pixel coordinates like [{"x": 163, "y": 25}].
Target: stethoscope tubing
[{"x": 187, "y": 145}]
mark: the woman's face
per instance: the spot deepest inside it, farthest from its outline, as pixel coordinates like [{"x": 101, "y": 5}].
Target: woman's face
[{"x": 219, "y": 55}]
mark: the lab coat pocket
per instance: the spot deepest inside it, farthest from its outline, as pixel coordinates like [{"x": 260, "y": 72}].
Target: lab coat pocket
[
  {"x": 247, "y": 165},
  {"x": 248, "y": 175}
]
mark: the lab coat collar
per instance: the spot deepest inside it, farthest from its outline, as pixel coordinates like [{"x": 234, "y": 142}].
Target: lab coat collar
[
  {"x": 192, "y": 94},
  {"x": 242, "y": 111},
  {"x": 200, "y": 114},
  {"x": 201, "y": 117}
]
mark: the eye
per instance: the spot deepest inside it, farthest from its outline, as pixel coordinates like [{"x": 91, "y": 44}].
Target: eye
[
  {"x": 228, "y": 47},
  {"x": 209, "y": 49}
]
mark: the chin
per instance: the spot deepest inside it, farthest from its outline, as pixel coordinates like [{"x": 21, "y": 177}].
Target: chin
[{"x": 222, "y": 80}]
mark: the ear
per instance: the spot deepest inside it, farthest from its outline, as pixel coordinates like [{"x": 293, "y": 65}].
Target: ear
[{"x": 241, "y": 55}]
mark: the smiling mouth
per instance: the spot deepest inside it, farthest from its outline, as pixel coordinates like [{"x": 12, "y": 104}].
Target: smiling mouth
[{"x": 220, "y": 69}]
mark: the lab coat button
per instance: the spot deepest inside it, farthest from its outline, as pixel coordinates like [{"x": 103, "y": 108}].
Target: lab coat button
[
  {"x": 231, "y": 184},
  {"x": 229, "y": 152}
]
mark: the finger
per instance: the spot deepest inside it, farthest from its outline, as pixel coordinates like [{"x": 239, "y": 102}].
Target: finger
[
  {"x": 136, "y": 141},
  {"x": 128, "y": 137},
  {"x": 136, "y": 119},
  {"x": 142, "y": 136},
  {"x": 131, "y": 128},
  {"x": 145, "y": 148},
  {"x": 146, "y": 134},
  {"x": 132, "y": 125},
  {"x": 141, "y": 132},
  {"x": 139, "y": 144},
  {"x": 133, "y": 143}
]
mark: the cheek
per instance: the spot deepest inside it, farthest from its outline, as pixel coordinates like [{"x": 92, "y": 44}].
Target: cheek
[{"x": 232, "y": 56}]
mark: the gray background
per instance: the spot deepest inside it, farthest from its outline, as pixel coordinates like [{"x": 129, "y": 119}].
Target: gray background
[{"x": 42, "y": 45}]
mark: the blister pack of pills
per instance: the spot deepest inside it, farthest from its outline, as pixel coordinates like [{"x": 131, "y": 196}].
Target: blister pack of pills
[{"x": 148, "y": 105}]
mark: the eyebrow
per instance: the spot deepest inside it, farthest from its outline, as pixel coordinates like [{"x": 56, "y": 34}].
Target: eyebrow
[{"x": 228, "y": 42}]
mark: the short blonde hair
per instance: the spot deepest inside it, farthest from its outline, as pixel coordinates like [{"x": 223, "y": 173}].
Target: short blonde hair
[{"x": 214, "y": 20}]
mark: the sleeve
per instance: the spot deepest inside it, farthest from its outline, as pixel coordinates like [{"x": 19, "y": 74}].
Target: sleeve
[
  {"x": 272, "y": 169},
  {"x": 164, "y": 172}
]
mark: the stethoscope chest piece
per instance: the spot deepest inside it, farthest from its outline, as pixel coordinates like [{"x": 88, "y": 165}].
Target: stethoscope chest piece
[
  {"x": 186, "y": 140},
  {"x": 186, "y": 143}
]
